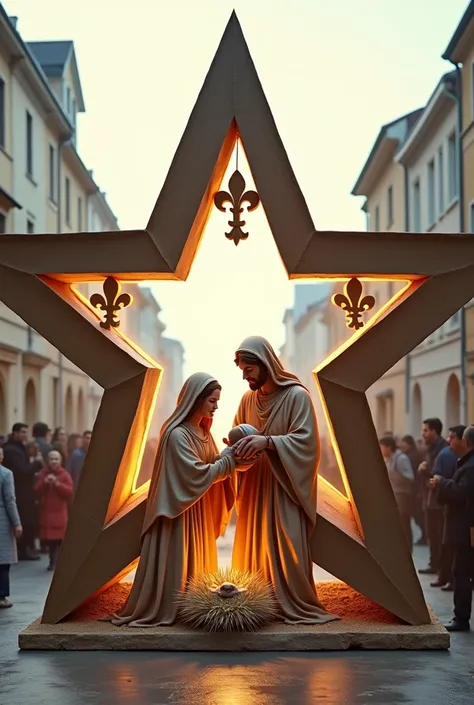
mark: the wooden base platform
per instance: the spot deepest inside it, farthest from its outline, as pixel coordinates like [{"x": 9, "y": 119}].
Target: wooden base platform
[
  {"x": 363, "y": 625},
  {"x": 334, "y": 636}
]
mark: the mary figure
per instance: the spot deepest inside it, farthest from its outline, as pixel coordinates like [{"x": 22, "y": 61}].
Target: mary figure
[{"x": 189, "y": 506}]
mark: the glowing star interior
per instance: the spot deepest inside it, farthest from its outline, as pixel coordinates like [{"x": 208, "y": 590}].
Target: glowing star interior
[{"x": 358, "y": 538}]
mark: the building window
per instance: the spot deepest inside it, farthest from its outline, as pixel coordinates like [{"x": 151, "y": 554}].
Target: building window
[
  {"x": 452, "y": 168},
  {"x": 3, "y": 223},
  {"x": 431, "y": 193},
  {"x": 377, "y": 220},
  {"x": 79, "y": 214},
  {"x": 29, "y": 144},
  {"x": 390, "y": 206},
  {"x": 416, "y": 207},
  {"x": 441, "y": 180},
  {"x": 68, "y": 100},
  {"x": 52, "y": 170},
  {"x": 2, "y": 112},
  {"x": 67, "y": 197},
  {"x": 30, "y": 227}
]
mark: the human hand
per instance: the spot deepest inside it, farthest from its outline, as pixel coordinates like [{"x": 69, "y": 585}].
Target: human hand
[
  {"x": 249, "y": 447},
  {"x": 50, "y": 478},
  {"x": 434, "y": 482},
  {"x": 423, "y": 467},
  {"x": 18, "y": 531}
]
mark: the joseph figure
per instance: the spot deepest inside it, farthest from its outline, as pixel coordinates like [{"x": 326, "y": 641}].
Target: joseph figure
[{"x": 276, "y": 498}]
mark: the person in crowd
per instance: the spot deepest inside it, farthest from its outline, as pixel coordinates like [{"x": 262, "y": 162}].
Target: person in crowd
[
  {"x": 36, "y": 461},
  {"x": 420, "y": 444},
  {"x": 59, "y": 435},
  {"x": 34, "y": 455},
  {"x": 76, "y": 459},
  {"x": 445, "y": 466},
  {"x": 59, "y": 442},
  {"x": 16, "y": 459},
  {"x": 409, "y": 447},
  {"x": 42, "y": 438},
  {"x": 432, "y": 430},
  {"x": 402, "y": 478},
  {"x": 10, "y": 529},
  {"x": 457, "y": 496},
  {"x": 74, "y": 442},
  {"x": 54, "y": 488},
  {"x": 62, "y": 450}
]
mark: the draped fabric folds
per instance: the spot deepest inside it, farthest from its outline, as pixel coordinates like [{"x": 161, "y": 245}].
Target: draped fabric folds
[
  {"x": 189, "y": 506},
  {"x": 276, "y": 498}
]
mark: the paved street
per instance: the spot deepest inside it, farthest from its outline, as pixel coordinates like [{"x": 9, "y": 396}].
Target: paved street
[{"x": 145, "y": 678}]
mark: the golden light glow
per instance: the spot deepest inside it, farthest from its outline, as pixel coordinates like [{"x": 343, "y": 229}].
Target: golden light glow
[
  {"x": 371, "y": 322},
  {"x": 332, "y": 356},
  {"x": 332, "y": 488},
  {"x": 139, "y": 432}
]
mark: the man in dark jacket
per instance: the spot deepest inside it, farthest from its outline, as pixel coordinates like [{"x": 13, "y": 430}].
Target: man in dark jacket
[
  {"x": 458, "y": 497},
  {"x": 16, "y": 459},
  {"x": 41, "y": 436},
  {"x": 432, "y": 429},
  {"x": 446, "y": 465}
]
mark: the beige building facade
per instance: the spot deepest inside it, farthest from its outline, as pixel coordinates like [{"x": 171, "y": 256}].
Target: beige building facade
[
  {"x": 460, "y": 53},
  {"x": 430, "y": 158},
  {"x": 45, "y": 187},
  {"x": 382, "y": 184}
]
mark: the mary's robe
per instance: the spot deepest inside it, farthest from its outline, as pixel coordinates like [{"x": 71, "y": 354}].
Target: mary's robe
[
  {"x": 276, "y": 501},
  {"x": 193, "y": 507}
]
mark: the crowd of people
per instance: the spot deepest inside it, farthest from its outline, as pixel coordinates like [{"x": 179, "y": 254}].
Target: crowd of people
[
  {"x": 38, "y": 477},
  {"x": 433, "y": 484}
]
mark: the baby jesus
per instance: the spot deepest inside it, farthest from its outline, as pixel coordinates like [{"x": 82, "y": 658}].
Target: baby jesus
[{"x": 236, "y": 434}]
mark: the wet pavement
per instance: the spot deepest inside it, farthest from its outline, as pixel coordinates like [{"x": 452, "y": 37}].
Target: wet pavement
[{"x": 150, "y": 678}]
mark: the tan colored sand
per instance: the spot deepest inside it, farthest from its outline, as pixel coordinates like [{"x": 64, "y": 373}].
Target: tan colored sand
[{"x": 338, "y": 598}]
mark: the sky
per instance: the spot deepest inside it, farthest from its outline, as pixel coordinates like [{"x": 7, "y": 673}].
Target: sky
[{"x": 333, "y": 73}]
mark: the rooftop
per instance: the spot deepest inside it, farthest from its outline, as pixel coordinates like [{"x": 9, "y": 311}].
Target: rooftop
[{"x": 52, "y": 56}]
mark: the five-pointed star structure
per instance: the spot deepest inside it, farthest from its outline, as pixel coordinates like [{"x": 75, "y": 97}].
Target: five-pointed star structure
[{"x": 357, "y": 539}]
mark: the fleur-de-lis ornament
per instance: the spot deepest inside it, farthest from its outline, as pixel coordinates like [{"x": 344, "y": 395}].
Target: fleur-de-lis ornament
[
  {"x": 111, "y": 302},
  {"x": 353, "y": 303},
  {"x": 236, "y": 198}
]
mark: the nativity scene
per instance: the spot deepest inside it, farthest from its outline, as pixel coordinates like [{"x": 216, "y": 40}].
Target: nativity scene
[{"x": 288, "y": 516}]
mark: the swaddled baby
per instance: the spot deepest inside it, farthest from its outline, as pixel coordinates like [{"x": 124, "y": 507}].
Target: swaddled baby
[
  {"x": 241, "y": 431},
  {"x": 236, "y": 434}
]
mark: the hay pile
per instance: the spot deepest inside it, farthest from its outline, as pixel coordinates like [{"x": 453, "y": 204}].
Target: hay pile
[{"x": 227, "y": 601}]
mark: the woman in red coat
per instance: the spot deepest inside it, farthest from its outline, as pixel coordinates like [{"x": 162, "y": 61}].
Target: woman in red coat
[{"x": 54, "y": 487}]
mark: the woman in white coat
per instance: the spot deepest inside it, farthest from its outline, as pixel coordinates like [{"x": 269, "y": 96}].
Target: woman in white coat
[{"x": 10, "y": 530}]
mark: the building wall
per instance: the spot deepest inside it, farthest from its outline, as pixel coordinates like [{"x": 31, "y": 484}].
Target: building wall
[
  {"x": 386, "y": 397},
  {"x": 6, "y": 163},
  {"x": 30, "y": 367},
  {"x": 446, "y": 212},
  {"x": 438, "y": 358},
  {"x": 468, "y": 183},
  {"x": 29, "y": 190}
]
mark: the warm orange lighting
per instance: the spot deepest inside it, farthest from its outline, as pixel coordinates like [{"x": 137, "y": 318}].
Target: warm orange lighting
[
  {"x": 332, "y": 356},
  {"x": 139, "y": 431},
  {"x": 331, "y": 487},
  {"x": 335, "y": 447},
  {"x": 371, "y": 322}
]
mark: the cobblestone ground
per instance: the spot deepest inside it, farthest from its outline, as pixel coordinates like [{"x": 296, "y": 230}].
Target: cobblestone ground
[{"x": 150, "y": 678}]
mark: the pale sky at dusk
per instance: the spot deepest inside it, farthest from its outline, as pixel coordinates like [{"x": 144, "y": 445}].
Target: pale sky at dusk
[{"x": 333, "y": 72}]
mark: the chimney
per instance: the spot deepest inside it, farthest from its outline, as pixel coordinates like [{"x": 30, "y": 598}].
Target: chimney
[{"x": 14, "y": 21}]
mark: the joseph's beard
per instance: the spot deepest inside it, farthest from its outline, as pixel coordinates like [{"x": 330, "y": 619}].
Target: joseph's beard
[{"x": 257, "y": 384}]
